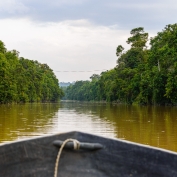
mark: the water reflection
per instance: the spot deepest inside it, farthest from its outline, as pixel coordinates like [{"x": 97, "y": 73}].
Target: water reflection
[
  {"x": 150, "y": 125},
  {"x": 23, "y": 120},
  {"x": 156, "y": 126},
  {"x": 83, "y": 117}
]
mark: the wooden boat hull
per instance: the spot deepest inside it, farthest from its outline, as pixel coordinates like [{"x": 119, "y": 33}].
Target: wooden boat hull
[{"x": 37, "y": 158}]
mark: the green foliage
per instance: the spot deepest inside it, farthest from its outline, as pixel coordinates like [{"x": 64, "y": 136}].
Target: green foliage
[
  {"x": 119, "y": 50},
  {"x": 138, "y": 38},
  {"x": 143, "y": 76},
  {"x": 131, "y": 59},
  {"x": 2, "y": 48},
  {"x": 23, "y": 80}
]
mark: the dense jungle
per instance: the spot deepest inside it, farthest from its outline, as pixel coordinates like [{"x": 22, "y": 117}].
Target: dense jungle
[
  {"x": 24, "y": 80},
  {"x": 145, "y": 74}
]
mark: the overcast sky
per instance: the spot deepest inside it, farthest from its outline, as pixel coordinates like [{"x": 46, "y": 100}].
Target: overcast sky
[{"x": 78, "y": 35}]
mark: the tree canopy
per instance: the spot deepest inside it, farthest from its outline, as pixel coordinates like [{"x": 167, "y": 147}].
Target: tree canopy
[
  {"x": 142, "y": 75},
  {"x": 24, "y": 80}
]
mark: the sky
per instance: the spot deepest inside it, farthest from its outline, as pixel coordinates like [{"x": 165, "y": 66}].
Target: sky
[{"x": 78, "y": 38}]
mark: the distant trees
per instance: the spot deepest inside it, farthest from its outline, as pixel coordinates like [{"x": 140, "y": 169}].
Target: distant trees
[
  {"x": 143, "y": 76},
  {"x": 23, "y": 80}
]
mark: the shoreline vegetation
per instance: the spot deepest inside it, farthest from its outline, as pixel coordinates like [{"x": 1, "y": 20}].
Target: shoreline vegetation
[
  {"x": 23, "y": 80},
  {"x": 77, "y": 101},
  {"x": 143, "y": 75}
]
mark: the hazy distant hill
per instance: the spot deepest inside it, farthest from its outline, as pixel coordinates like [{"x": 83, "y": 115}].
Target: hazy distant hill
[{"x": 64, "y": 84}]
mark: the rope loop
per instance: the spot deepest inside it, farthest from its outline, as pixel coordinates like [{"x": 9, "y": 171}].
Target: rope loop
[
  {"x": 76, "y": 144},
  {"x": 76, "y": 147}
]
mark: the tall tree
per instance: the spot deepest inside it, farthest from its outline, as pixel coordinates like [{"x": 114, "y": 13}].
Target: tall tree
[{"x": 138, "y": 38}]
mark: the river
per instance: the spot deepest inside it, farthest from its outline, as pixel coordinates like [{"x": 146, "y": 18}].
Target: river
[{"x": 150, "y": 125}]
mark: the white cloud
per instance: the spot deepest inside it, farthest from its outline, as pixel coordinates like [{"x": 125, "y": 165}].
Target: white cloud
[
  {"x": 136, "y": 5},
  {"x": 129, "y": 14},
  {"x": 68, "y": 2},
  {"x": 12, "y": 7},
  {"x": 65, "y": 46}
]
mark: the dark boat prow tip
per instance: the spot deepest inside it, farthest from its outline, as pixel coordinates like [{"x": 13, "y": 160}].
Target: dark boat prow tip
[{"x": 112, "y": 157}]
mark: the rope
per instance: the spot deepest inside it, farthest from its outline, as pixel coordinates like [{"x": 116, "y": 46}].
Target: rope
[{"x": 76, "y": 147}]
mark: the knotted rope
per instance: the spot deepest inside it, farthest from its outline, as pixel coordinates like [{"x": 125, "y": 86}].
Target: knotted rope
[{"x": 76, "y": 147}]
